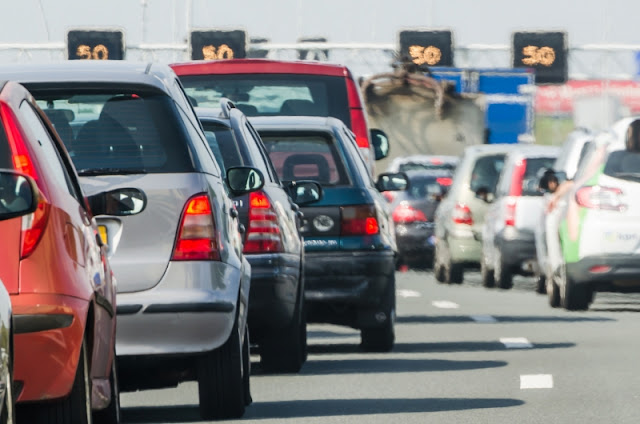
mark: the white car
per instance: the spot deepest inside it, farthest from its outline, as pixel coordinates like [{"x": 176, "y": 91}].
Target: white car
[{"x": 593, "y": 225}]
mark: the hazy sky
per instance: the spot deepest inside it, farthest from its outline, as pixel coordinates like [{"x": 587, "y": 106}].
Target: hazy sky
[{"x": 489, "y": 21}]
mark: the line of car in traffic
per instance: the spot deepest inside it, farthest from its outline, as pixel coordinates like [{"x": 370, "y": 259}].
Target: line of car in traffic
[{"x": 200, "y": 231}]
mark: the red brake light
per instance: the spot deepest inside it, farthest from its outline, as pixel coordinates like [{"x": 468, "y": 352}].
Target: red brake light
[
  {"x": 510, "y": 215},
  {"x": 263, "y": 232},
  {"x": 20, "y": 154},
  {"x": 197, "y": 233},
  {"x": 517, "y": 177},
  {"x": 436, "y": 161},
  {"x": 406, "y": 214},
  {"x": 358, "y": 221},
  {"x": 596, "y": 197},
  {"x": 33, "y": 226},
  {"x": 462, "y": 214},
  {"x": 389, "y": 195},
  {"x": 358, "y": 120},
  {"x": 444, "y": 181}
]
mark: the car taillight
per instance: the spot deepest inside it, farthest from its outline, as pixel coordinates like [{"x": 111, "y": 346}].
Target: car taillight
[
  {"x": 358, "y": 221},
  {"x": 444, "y": 181},
  {"x": 263, "y": 232},
  {"x": 517, "y": 177},
  {"x": 404, "y": 213},
  {"x": 510, "y": 213},
  {"x": 20, "y": 154},
  {"x": 596, "y": 197},
  {"x": 462, "y": 214},
  {"x": 197, "y": 232},
  {"x": 389, "y": 195},
  {"x": 33, "y": 226},
  {"x": 358, "y": 120}
]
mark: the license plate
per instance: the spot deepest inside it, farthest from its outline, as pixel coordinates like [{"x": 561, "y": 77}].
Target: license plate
[{"x": 102, "y": 230}]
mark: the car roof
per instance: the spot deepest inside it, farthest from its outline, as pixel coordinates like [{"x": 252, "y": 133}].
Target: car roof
[
  {"x": 258, "y": 66},
  {"x": 426, "y": 159},
  {"x": 435, "y": 173},
  {"x": 535, "y": 151},
  {"x": 292, "y": 123},
  {"x": 91, "y": 71}
]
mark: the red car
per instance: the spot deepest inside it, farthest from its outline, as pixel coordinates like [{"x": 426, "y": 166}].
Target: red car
[
  {"x": 261, "y": 87},
  {"x": 55, "y": 268}
]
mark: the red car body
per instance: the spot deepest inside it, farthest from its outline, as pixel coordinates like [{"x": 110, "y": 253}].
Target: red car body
[
  {"x": 355, "y": 119},
  {"x": 53, "y": 265}
]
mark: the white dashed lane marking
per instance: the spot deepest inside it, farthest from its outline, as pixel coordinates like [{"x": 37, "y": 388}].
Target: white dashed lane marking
[
  {"x": 538, "y": 381},
  {"x": 516, "y": 343},
  {"x": 483, "y": 318},
  {"x": 445, "y": 304},
  {"x": 407, "y": 293}
]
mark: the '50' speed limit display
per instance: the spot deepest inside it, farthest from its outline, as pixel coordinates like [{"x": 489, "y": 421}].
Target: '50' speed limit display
[
  {"x": 218, "y": 44},
  {"x": 546, "y": 52},
  {"x": 95, "y": 45}
]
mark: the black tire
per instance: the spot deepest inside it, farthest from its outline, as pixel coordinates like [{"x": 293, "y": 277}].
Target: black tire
[
  {"x": 382, "y": 338},
  {"x": 501, "y": 274},
  {"x": 73, "y": 409},
  {"x": 221, "y": 386},
  {"x": 453, "y": 273},
  {"x": 111, "y": 414},
  {"x": 541, "y": 284},
  {"x": 284, "y": 351},
  {"x": 438, "y": 267},
  {"x": 553, "y": 291},
  {"x": 8, "y": 415},
  {"x": 246, "y": 367},
  {"x": 486, "y": 274},
  {"x": 574, "y": 297}
]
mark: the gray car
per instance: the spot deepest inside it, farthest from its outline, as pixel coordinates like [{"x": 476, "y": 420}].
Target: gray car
[{"x": 183, "y": 283}]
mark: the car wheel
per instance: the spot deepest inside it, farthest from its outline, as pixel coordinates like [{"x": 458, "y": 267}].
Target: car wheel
[
  {"x": 573, "y": 297},
  {"x": 8, "y": 415},
  {"x": 438, "y": 267},
  {"x": 246, "y": 367},
  {"x": 285, "y": 351},
  {"x": 486, "y": 274},
  {"x": 73, "y": 409},
  {"x": 541, "y": 284},
  {"x": 220, "y": 380},
  {"x": 381, "y": 339},
  {"x": 111, "y": 414},
  {"x": 502, "y": 274},
  {"x": 553, "y": 291}
]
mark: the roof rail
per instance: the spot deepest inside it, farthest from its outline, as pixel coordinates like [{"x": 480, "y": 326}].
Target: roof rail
[{"x": 226, "y": 105}]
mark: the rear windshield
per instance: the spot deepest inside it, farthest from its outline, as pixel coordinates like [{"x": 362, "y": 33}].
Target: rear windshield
[
  {"x": 224, "y": 145},
  {"x": 532, "y": 175},
  {"x": 624, "y": 165},
  {"x": 427, "y": 187},
  {"x": 429, "y": 166},
  {"x": 306, "y": 157},
  {"x": 114, "y": 132},
  {"x": 5, "y": 151},
  {"x": 486, "y": 172},
  {"x": 273, "y": 94}
]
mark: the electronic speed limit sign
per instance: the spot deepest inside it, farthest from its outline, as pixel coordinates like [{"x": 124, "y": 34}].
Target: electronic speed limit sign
[{"x": 546, "y": 52}]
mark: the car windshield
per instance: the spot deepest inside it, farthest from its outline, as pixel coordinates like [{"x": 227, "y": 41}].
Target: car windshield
[
  {"x": 116, "y": 132},
  {"x": 486, "y": 172},
  {"x": 272, "y": 95},
  {"x": 223, "y": 144},
  {"x": 624, "y": 165},
  {"x": 427, "y": 187},
  {"x": 306, "y": 157},
  {"x": 429, "y": 166}
]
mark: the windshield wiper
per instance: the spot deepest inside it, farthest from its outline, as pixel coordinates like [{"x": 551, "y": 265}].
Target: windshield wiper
[{"x": 110, "y": 171}]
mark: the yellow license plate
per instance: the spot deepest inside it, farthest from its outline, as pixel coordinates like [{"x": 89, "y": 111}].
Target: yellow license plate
[{"x": 102, "y": 229}]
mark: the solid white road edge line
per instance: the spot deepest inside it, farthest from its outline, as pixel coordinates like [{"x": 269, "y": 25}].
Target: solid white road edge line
[
  {"x": 445, "y": 304},
  {"x": 516, "y": 343},
  {"x": 483, "y": 318},
  {"x": 538, "y": 381}
]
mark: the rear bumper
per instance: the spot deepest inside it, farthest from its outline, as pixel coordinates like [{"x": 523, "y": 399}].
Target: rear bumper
[
  {"x": 516, "y": 247},
  {"x": 465, "y": 250},
  {"x": 623, "y": 274},
  {"x": 356, "y": 278},
  {"x": 415, "y": 239},
  {"x": 191, "y": 310},
  {"x": 48, "y": 331},
  {"x": 275, "y": 284}
]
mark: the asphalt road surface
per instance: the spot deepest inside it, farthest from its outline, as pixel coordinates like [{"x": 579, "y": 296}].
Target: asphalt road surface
[{"x": 463, "y": 354}]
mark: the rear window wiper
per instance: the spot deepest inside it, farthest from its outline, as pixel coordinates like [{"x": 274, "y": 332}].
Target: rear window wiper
[{"x": 110, "y": 171}]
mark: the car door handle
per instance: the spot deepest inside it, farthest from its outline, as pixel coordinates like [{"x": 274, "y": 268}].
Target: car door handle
[{"x": 233, "y": 212}]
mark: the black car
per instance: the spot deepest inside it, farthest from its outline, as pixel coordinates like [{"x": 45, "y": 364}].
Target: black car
[
  {"x": 348, "y": 235},
  {"x": 414, "y": 213},
  {"x": 272, "y": 243}
]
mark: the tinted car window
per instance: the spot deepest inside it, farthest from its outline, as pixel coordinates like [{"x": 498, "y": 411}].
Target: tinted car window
[
  {"x": 6, "y": 161},
  {"x": 223, "y": 144},
  {"x": 624, "y": 165},
  {"x": 306, "y": 157},
  {"x": 486, "y": 172},
  {"x": 119, "y": 130},
  {"x": 421, "y": 166},
  {"x": 531, "y": 178},
  {"x": 273, "y": 94},
  {"x": 421, "y": 188}
]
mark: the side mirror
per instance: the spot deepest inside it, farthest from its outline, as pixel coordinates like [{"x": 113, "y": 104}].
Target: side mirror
[
  {"x": 118, "y": 202},
  {"x": 244, "y": 179},
  {"x": 305, "y": 192},
  {"x": 392, "y": 181},
  {"x": 380, "y": 143},
  {"x": 18, "y": 195}
]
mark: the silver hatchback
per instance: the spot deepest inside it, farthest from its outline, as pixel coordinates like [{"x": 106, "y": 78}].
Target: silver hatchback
[{"x": 183, "y": 283}]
